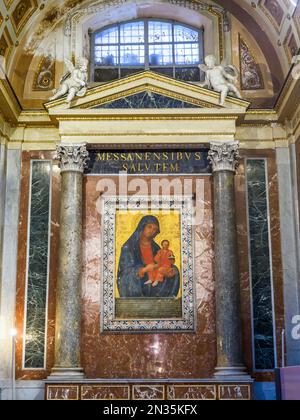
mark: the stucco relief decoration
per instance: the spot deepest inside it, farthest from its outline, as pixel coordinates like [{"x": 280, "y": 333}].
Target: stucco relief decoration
[
  {"x": 91, "y": 9},
  {"x": 220, "y": 78},
  {"x": 6, "y": 44},
  {"x": 74, "y": 82},
  {"x": 251, "y": 76},
  {"x": 290, "y": 44},
  {"x": 275, "y": 10},
  {"x": 203, "y": 6},
  {"x": 296, "y": 17},
  {"x": 101, "y": 5},
  {"x": 73, "y": 157},
  {"x": 22, "y": 13},
  {"x": 45, "y": 76},
  {"x": 51, "y": 18},
  {"x": 3, "y": 46},
  {"x": 293, "y": 46},
  {"x": 224, "y": 156}
]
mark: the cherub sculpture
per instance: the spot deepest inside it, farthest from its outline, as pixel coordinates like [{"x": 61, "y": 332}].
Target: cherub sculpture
[
  {"x": 220, "y": 78},
  {"x": 74, "y": 82}
]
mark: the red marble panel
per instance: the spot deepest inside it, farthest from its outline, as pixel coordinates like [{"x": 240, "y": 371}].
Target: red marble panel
[
  {"x": 192, "y": 392},
  {"x": 21, "y": 269},
  {"x": 234, "y": 392},
  {"x": 242, "y": 226},
  {"x": 191, "y": 355},
  {"x": 105, "y": 392},
  {"x": 62, "y": 392},
  {"x": 188, "y": 355},
  {"x": 144, "y": 392},
  {"x": 148, "y": 392}
]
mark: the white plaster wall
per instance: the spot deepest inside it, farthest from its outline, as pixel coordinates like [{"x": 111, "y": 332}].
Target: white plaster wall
[
  {"x": 289, "y": 246},
  {"x": 24, "y": 390},
  {"x": 8, "y": 272},
  {"x": 2, "y": 201}
]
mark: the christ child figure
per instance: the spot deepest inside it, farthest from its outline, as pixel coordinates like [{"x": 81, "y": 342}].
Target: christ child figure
[{"x": 164, "y": 260}]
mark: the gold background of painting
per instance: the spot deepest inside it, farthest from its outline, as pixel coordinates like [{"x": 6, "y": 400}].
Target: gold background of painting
[{"x": 170, "y": 223}]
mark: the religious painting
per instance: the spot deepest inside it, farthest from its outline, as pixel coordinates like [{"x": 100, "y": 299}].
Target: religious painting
[{"x": 148, "y": 264}]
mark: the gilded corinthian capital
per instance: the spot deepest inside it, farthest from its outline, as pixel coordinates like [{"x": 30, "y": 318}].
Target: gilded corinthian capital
[
  {"x": 72, "y": 157},
  {"x": 224, "y": 156}
]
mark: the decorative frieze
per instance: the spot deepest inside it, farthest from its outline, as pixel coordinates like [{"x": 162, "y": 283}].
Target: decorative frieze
[
  {"x": 251, "y": 75},
  {"x": 183, "y": 391},
  {"x": 224, "y": 156},
  {"x": 73, "y": 157}
]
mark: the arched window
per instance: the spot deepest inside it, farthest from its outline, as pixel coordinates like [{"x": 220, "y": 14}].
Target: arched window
[{"x": 165, "y": 47}]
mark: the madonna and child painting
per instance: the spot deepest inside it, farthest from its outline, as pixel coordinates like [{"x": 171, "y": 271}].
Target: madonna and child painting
[
  {"x": 148, "y": 264},
  {"x": 146, "y": 268}
]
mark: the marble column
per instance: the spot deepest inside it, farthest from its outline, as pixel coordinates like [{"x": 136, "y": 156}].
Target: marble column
[
  {"x": 73, "y": 158},
  {"x": 224, "y": 160}
]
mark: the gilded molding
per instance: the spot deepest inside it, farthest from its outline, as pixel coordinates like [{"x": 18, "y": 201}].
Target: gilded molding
[
  {"x": 149, "y": 118},
  {"x": 153, "y": 89},
  {"x": 72, "y": 157},
  {"x": 261, "y": 111},
  {"x": 8, "y": 3},
  {"x": 224, "y": 156},
  {"x": 154, "y": 134},
  {"x": 220, "y": 27},
  {"x": 34, "y": 113}
]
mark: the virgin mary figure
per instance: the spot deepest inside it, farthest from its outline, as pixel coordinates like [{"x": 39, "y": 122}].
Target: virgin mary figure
[{"x": 137, "y": 265}]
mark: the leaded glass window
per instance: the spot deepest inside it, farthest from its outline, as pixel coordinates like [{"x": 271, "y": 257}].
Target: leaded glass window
[{"x": 165, "y": 47}]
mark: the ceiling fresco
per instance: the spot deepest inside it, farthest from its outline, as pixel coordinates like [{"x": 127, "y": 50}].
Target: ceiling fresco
[{"x": 33, "y": 65}]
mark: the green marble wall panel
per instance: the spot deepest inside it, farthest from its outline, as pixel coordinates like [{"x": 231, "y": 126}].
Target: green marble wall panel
[
  {"x": 260, "y": 264},
  {"x": 37, "y": 264}
]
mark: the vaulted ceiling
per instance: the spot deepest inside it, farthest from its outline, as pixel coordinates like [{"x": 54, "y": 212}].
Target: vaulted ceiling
[{"x": 25, "y": 24}]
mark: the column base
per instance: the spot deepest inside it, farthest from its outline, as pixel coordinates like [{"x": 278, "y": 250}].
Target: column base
[
  {"x": 59, "y": 374},
  {"x": 232, "y": 373}
]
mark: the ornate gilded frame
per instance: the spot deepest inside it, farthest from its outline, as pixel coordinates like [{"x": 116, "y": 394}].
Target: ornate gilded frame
[{"x": 109, "y": 323}]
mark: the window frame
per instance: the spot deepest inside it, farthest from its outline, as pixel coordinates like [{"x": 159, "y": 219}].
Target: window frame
[{"x": 146, "y": 65}]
